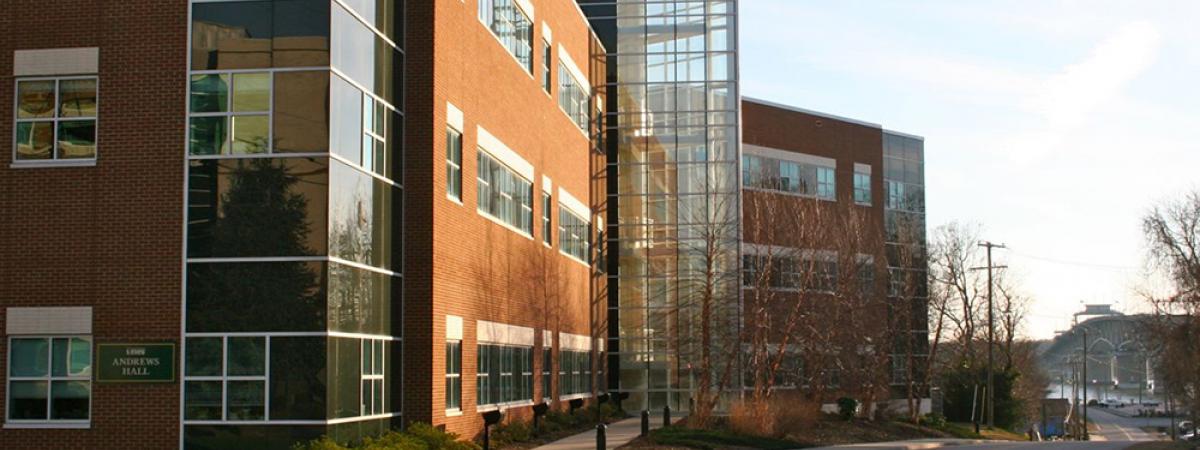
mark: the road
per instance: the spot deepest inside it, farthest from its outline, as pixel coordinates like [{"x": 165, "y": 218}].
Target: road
[{"x": 1111, "y": 427}]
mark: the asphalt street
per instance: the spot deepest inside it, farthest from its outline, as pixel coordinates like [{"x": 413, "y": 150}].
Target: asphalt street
[{"x": 1112, "y": 427}]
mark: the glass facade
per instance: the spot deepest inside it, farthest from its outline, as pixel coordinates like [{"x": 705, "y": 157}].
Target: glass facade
[
  {"x": 904, "y": 224},
  {"x": 672, "y": 139},
  {"x": 293, "y": 222}
]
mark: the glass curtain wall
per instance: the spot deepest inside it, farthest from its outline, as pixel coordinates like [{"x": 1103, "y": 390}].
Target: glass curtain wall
[
  {"x": 293, "y": 240},
  {"x": 904, "y": 221},
  {"x": 671, "y": 131}
]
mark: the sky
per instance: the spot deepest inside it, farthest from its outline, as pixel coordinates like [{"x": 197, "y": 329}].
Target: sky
[{"x": 1053, "y": 125}]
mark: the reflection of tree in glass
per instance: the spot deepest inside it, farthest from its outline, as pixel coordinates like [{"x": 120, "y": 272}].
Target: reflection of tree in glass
[
  {"x": 351, "y": 296},
  {"x": 261, "y": 215}
]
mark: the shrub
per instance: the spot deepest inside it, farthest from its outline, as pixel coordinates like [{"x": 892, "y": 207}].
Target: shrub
[
  {"x": 510, "y": 433},
  {"x": 436, "y": 439},
  {"x": 847, "y": 407},
  {"x": 418, "y": 436},
  {"x": 935, "y": 420}
]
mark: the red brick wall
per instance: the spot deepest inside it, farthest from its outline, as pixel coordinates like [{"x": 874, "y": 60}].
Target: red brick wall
[
  {"x": 107, "y": 236},
  {"x": 466, "y": 264}
]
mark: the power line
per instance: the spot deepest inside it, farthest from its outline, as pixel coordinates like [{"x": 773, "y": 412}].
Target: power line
[{"x": 1074, "y": 263}]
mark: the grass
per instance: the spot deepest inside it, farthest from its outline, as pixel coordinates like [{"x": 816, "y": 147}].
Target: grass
[
  {"x": 678, "y": 436},
  {"x": 964, "y": 430}
]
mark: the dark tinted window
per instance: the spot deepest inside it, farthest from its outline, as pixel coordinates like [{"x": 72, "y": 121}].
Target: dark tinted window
[
  {"x": 359, "y": 217},
  {"x": 274, "y": 296},
  {"x": 301, "y": 112},
  {"x": 257, "y": 207},
  {"x": 359, "y": 300},
  {"x": 255, "y": 34},
  {"x": 298, "y": 377}
]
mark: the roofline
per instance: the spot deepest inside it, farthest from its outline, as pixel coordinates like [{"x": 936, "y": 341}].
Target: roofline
[
  {"x": 587, "y": 21},
  {"x": 811, "y": 112},
  {"x": 901, "y": 133}
]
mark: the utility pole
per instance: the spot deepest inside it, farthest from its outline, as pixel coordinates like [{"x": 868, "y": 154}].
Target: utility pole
[
  {"x": 991, "y": 335},
  {"x": 1085, "y": 386}
]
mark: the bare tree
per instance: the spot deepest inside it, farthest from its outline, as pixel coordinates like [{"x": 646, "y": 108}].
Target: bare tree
[
  {"x": 1172, "y": 232},
  {"x": 953, "y": 253},
  {"x": 1012, "y": 307}
]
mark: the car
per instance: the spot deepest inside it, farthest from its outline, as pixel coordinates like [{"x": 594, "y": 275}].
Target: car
[{"x": 1186, "y": 427}]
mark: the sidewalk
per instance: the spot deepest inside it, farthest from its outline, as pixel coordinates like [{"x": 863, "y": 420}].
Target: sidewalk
[
  {"x": 916, "y": 444},
  {"x": 618, "y": 434}
]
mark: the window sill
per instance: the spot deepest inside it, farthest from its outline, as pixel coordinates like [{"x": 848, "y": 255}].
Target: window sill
[
  {"x": 573, "y": 258},
  {"x": 503, "y": 406},
  {"x": 454, "y": 199},
  {"x": 503, "y": 224},
  {"x": 43, "y": 164},
  {"x": 453, "y": 412},
  {"x": 64, "y": 425},
  {"x": 574, "y": 396}
]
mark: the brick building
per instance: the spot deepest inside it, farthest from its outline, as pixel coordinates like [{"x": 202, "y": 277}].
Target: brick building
[
  {"x": 251, "y": 223},
  {"x": 833, "y": 218}
]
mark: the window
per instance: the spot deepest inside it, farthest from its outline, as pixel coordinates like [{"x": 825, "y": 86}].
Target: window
[
  {"x": 453, "y": 375},
  {"x": 49, "y": 379},
  {"x": 511, "y": 26},
  {"x": 573, "y": 238},
  {"x": 371, "y": 397},
  {"x": 374, "y": 126},
  {"x": 546, "y": 66},
  {"x": 546, "y": 373},
  {"x": 225, "y": 378},
  {"x": 574, "y": 373},
  {"x": 546, "y": 218},
  {"x": 789, "y": 178},
  {"x": 504, "y": 374},
  {"x": 825, "y": 183},
  {"x": 230, "y": 113},
  {"x": 56, "y": 119},
  {"x": 454, "y": 164},
  {"x": 572, "y": 97},
  {"x": 751, "y": 171},
  {"x": 504, "y": 195},
  {"x": 862, "y": 188}
]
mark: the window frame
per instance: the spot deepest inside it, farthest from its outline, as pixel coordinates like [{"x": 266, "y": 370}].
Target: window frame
[
  {"x": 454, "y": 140},
  {"x": 228, "y": 114},
  {"x": 572, "y": 95},
  {"x": 376, "y": 378},
  {"x": 509, "y": 389},
  {"x": 453, "y": 354},
  {"x": 502, "y": 197},
  {"x": 224, "y": 378},
  {"x": 570, "y": 240},
  {"x": 54, "y": 160},
  {"x": 49, "y": 378},
  {"x": 547, "y": 85},
  {"x": 826, "y": 189},
  {"x": 547, "y": 372},
  {"x": 862, "y": 188},
  {"x": 486, "y": 13},
  {"x": 547, "y": 221}
]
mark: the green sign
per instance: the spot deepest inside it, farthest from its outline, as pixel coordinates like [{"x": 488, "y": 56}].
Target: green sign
[{"x": 135, "y": 363}]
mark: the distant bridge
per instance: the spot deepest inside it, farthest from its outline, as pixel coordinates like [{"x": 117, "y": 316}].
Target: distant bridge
[{"x": 1117, "y": 360}]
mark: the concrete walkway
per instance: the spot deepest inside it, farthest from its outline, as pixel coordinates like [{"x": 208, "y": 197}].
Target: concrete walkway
[
  {"x": 915, "y": 444},
  {"x": 618, "y": 434}
]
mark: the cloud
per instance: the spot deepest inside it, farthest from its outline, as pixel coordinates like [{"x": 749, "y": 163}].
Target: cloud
[{"x": 1069, "y": 97}]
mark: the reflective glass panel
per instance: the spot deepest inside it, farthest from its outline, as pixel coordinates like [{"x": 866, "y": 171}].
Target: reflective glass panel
[
  {"x": 209, "y": 93},
  {"x": 251, "y": 134},
  {"x": 271, "y": 296},
  {"x": 27, "y": 400},
  {"x": 257, "y": 207},
  {"x": 71, "y": 357},
  {"x": 202, "y": 400},
  {"x": 301, "y": 112},
  {"x": 29, "y": 358},
  {"x": 298, "y": 375},
  {"x": 203, "y": 357},
  {"x": 251, "y": 92},
  {"x": 35, "y": 140},
  {"x": 244, "y": 400},
  {"x": 77, "y": 98},
  {"x": 35, "y": 99},
  {"x": 246, "y": 356},
  {"x": 77, "y": 139},
  {"x": 70, "y": 399},
  {"x": 208, "y": 135}
]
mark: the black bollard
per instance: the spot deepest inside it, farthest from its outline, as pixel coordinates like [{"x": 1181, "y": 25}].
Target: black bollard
[
  {"x": 601, "y": 440},
  {"x": 645, "y": 422},
  {"x": 666, "y": 416}
]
